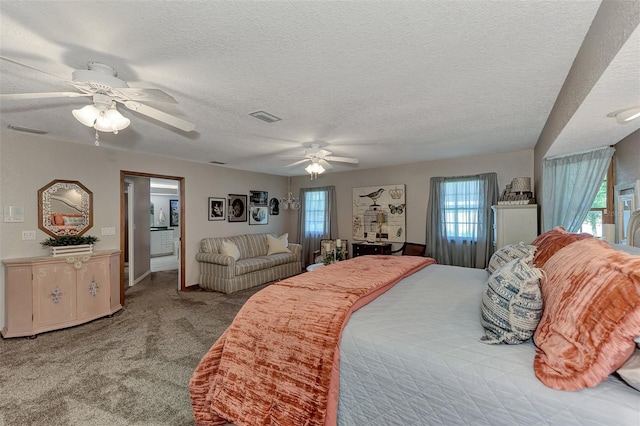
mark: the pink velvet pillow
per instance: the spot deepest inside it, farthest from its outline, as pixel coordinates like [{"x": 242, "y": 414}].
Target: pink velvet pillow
[
  {"x": 591, "y": 314},
  {"x": 552, "y": 241}
]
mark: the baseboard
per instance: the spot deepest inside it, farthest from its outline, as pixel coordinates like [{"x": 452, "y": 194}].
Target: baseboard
[{"x": 141, "y": 277}]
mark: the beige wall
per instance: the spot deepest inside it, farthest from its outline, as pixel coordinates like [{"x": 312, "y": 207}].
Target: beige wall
[
  {"x": 27, "y": 163},
  {"x": 627, "y": 159},
  {"x": 416, "y": 178}
]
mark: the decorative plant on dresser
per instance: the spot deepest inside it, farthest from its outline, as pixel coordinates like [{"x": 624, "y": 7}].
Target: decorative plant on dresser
[{"x": 50, "y": 293}]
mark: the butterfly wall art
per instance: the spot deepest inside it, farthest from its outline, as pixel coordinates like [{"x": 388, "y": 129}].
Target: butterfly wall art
[{"x": 379, "y": 213}]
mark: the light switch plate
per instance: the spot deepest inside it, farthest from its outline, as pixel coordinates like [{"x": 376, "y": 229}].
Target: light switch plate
[
  {"x": 14, "y": 214},
  {"x": 109, "y": 231}
]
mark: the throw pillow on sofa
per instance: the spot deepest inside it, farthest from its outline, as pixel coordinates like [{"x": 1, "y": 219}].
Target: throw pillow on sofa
[
  {"x": 512, "y": 303},
  {"x": 591, "y": 315},
  {"x": 278, "y": 245},
  {"x": 551, "y": 241},
  {"x": 509, "y": 252},
  {"x": 230, "y": 249}
]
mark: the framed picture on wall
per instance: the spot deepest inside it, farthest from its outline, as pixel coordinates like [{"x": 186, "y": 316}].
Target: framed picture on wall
[
  {"x": 259, "y": 215},
  {"x": 258, "y": 198},
  {"x": 217, "y": 207},
  {"x": 174, "y": 213},
  {"x": 237, "y": 208}
]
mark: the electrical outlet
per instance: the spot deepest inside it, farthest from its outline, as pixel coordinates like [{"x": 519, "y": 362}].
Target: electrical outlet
[
  {"x": 28, "y": 235},
  {"x": 109, "y": 231}
]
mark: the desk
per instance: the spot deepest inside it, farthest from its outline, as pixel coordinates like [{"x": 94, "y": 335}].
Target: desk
[{"x": 361, "y": 249}]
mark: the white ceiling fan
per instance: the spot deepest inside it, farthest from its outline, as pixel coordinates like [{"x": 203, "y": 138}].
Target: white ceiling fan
[
  {"x": 319, "y": 160},
  {"x": 100, "y": 82}
]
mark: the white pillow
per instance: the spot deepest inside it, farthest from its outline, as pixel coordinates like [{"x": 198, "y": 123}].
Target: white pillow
[
  {"x": 230, "y": 249},
  {"x": 630, "y": 370},
  {"x": 278, "y": 245}
]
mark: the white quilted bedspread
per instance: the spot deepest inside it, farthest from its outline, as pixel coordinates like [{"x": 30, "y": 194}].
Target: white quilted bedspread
[{"x": 413, "y": 357}]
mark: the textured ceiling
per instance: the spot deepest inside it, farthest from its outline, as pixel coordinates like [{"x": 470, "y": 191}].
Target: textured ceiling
[{"x": 387, "y": 82}]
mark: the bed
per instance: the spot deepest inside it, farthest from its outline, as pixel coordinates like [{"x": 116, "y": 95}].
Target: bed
[
  {"x": 410, "y": 356},
  {"x": 413, "y": 357}
]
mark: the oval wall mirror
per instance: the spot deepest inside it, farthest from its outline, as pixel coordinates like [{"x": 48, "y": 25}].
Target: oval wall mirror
[{"x": 65, "y": 207}]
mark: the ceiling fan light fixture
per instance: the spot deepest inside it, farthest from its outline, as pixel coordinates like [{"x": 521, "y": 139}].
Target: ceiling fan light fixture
[
  {"x": 87, "y": 115},
  {"x": 314, "y": 169}
]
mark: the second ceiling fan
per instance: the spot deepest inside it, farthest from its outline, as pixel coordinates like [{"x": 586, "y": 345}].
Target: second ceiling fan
[{"x": 319, "y": 160}]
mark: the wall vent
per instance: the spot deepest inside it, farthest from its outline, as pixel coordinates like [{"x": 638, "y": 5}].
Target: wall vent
[{"x": 265, "y": 116}]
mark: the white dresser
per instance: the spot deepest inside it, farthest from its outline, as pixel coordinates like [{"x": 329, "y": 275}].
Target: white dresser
[
  {"x": 49, "y": 293},
  {"x": 512, "y": 224}
]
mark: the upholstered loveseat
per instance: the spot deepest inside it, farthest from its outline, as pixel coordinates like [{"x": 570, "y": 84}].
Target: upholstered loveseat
[{"x": 230, "y": 264}]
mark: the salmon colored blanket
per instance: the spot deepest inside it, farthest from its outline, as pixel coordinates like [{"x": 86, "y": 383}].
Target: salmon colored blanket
[{"x": 277, "y": 363}]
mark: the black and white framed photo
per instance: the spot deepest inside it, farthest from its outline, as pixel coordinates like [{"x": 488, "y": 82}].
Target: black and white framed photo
[
  {"x": 217, "y": 207},
  {"x": 258, "y": 198},
  {"x": 237, "y": 208},
  {"x": 274, "y": 207},
  {"x": 174, "y": 213},
  {"x": 259, "y": 215}
]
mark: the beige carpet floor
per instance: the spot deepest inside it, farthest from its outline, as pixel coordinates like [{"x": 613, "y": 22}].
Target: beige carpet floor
[{"x": 130, "y": 369}]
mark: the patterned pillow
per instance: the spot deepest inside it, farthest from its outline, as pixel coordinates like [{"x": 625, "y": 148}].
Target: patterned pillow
[
  {"x": 509, "y": 252},
  {"x": 552, "y": 241},
  {"x": 512, "y": 303},
  {"x": 591, "y": 315}
]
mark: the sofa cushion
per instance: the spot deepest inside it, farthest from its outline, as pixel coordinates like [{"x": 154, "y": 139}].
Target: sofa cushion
[
  {"x": 257, "y": 244},
  {"x": 509, "y": 252},
  {"x": 230, "y": 249},
  {"x": 551, "y": 241},
  {"x": 280, "y": 258},
  {"x": 591, "y": 314},
  {"x": 512, "y": 303},
  {"x": 244, "y": 266},
  {"x": 278, "y": 245}
]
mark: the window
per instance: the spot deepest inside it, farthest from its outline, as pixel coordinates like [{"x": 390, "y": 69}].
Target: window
[
  {"x": 315, "y": 206},
  {"x": 601, "y": 211},
  {"x": 460, "y": 209}
]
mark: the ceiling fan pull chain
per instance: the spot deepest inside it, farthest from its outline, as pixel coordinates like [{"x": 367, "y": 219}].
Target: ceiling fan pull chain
[{"x": 97, "y": 139}]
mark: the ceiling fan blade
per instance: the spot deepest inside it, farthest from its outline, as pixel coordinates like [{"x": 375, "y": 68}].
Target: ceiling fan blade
[
  {"x": 142, "y": 94},
  {"x": 343, "y": 159},
  {"x": 13, "y": 61},
  {"x": 160, "y": 116},
  {"x": 324, "y": 164},
  {"x": 297, "y": 162},
  {"x": 42, "y": 95}
]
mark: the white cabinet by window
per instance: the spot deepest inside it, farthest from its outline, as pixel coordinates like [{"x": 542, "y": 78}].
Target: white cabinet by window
[
  {"x": 512, "y": 224},
  {"x": 162, "y": 243}
]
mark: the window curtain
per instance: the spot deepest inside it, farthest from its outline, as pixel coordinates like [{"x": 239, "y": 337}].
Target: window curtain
[
  {"x": 325, "y": 227},
  {"x": 462, "y": 237},
  {"x": 569, "y": 186}
]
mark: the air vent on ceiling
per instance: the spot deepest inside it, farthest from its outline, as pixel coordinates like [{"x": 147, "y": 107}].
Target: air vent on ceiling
[
  {"x": 265, "y": 116},
  {"x": 216, "y": 162},
  {"x": 26, "y": 129}
]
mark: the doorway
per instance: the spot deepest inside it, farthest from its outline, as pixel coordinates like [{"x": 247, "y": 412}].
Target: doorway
[{"x": 138, "y": 220}]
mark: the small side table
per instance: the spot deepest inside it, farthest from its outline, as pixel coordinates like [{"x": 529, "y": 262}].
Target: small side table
[{"x": 314, "y": 266}]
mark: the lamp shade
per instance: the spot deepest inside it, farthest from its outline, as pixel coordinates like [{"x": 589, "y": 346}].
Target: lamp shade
[
  {"x": 521, "y": 184},
  {"x": 86, "y": 115}
]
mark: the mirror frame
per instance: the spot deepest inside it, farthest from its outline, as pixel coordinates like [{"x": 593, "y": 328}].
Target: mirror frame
[{"x": 44, "y": 207}]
